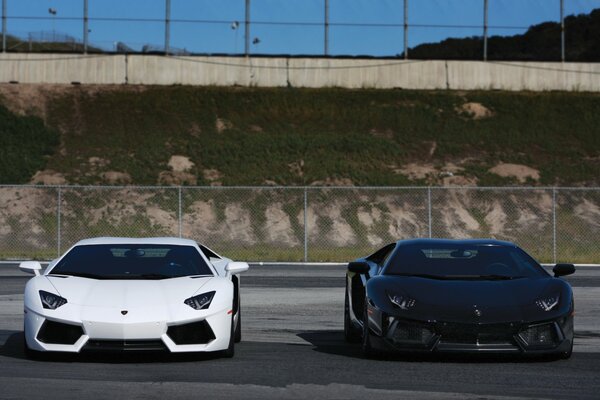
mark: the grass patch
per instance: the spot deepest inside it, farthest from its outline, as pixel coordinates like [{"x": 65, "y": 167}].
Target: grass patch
[
  {"x": 26, "y": 145},
  {"x": 302, "y": 136}
]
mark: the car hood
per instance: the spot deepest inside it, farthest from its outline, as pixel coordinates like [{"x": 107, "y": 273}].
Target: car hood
[
  {"x": 126, "y": 293},
  {"x": 471, "y": 300}
]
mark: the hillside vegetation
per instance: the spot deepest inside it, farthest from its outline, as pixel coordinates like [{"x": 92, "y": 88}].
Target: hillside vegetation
[
  {"x": 256, "y": 136},
  {"x": 540, "y": 42}
]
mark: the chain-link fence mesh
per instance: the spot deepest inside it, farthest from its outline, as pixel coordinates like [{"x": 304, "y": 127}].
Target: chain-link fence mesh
[
  {"x": 301, "y": 224},
  {"x": 382, "y": 28}
]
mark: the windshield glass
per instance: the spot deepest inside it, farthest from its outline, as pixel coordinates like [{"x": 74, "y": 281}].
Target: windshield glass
[
  {"x": 134, "y": 261},
  {"x": 458, "y": 261}
]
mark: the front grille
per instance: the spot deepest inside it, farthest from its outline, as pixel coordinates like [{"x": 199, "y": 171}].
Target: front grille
[
  {"x": 544, "y": 335},
  {"x": 194, "y": 333},
  {"x": 476, "y": 334},
  {"x": 124, "y": 345},
  {"x": 53, "y": 332}
]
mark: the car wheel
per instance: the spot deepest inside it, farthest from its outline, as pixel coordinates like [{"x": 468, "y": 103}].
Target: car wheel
[
  {"x": 238, "y": 326},
  {"x": 230, "y": 351},
  {"x": 367, "y": 349},
  {"x": 31, "y": 354},
  {"x": 350, "y": 333},
  {"x": 567, "y": 354}
]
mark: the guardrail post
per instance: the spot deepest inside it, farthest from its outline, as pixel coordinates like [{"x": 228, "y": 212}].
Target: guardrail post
[
  {"x": 305, "y": 225},
  {"x": 406, "y": 29},
  {"x": 554, "y": 224},
  {"x": 179, "y": 214},
  {"x": 167, "y": 26},
  {"x": 485, "y": 30},
  {"x": 58, "y": 211},
  {"x": 429, "y": 208},
  {"x": 4, "y": 26},
  {"x": 326, "y": 44},
  {"x": 562, "y": 30},
  {"x": 247, "y": 29},
  {"x": 86, "y": 29}
]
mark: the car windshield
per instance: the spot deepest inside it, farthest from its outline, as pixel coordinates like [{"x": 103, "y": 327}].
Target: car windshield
[
  {"x": 457, "y": 261},
  {"x": 123, "y": 261}
]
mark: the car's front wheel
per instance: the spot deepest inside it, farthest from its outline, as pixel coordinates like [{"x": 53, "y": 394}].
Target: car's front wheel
[
  {"x": 238, "y": 325},
  {"x": 230, "y": 351},
  {"x": 350, "y": 333},
  {"x": 367, "y": 349},
  {"x": 31, "y": 354}
]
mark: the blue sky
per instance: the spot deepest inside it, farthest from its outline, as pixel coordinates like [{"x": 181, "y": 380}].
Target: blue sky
[{"x": 430, "y": 20}]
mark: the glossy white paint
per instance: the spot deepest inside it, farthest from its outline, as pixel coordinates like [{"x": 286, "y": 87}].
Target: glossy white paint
[{"x": 152, "y": 305}]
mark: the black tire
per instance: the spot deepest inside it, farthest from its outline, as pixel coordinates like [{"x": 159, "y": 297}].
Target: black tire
[
  {"x": 230, "y": 351},
  {"x": 31, "y": 354},
  {"x": 367, "y": 349},
  {"x": 238, "y": 326},
  {"x": 350, "y": 332},
  {"x": 565, "y": 355}
]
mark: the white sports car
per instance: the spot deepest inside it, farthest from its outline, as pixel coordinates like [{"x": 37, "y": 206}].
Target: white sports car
[{"x": 115, "y": 294}]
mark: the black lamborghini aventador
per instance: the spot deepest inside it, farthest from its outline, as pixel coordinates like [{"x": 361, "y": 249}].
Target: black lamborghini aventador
[{"x": 428, "y": 295}]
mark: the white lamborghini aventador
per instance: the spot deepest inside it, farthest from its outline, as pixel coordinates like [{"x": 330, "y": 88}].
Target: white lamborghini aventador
[{"x": 118, "y": 294}]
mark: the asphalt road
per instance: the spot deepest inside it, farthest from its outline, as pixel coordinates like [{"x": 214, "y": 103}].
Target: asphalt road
[{"x": 293, "y": 348}]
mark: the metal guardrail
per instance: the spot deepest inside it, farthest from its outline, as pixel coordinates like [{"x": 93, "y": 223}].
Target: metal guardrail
[{"x": 309, "y": 224}]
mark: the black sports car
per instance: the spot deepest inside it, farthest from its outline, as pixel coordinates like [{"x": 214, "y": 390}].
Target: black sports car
[{"x": 427, "y": 295}]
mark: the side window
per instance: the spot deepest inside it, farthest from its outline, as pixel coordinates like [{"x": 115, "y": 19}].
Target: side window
[
  {"x": 208, "y": 253},
  {"x": 381, "y": 256}
]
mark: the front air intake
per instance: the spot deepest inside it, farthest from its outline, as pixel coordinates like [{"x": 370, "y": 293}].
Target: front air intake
[
  {"x": 544, "y": 335},
  {"x": 194, "y": 333},
  {"x": 53, "y": 332}
]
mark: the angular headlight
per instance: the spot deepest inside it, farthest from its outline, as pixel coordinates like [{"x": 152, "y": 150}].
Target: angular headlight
[
  {"x": 401, "y": 302},
  {"x": 51, "y": 301},
  {"x": 548, "y": 303},
  {"x": 200, "y": 302}
]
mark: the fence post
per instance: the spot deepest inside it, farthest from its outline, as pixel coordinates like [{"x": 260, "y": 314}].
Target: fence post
[
  {"x": 247, "y": 30},
  {"x": 58, "y": 211},
  {"x": 485, "y": 29},
  {"x": 167, "y": 26},
  {"x": 85, "y": 26},
  {"x": 326, "y": 44},
  {"x": 562, "y": 30},
  {"x": 429, "y": 208},
  {"x": 4, "y": 26},
  {"x": 179, "y": 213},
  {"x": 406, "y": 29},
  {"x": 305, "y": 225},
  {"x": 554, "y": 224}
]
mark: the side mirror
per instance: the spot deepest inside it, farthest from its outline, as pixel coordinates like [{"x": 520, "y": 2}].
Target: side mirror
[
  {"x": 31, "y": 267},
  {"x": 236, "y": 267},
  {"x": 359, "y": 267},
  {"x": 563, "y": 269}
]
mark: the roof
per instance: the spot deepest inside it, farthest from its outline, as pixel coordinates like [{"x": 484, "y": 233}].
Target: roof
[
  {"x": 125, "y": 240},
  {"x": 454, "y": 242}
]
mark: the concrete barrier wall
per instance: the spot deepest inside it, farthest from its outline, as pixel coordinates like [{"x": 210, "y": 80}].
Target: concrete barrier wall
[
  {"x": 62, "y": 68},
  {"x": 524, "y": 76},
  {"x": 298, "y": 72}
]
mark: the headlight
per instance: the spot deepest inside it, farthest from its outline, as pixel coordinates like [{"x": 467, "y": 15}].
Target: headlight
[
  {"x": 51, "y": 301},
  {"x": 548, "y": 303},
  {"x": 401, "y": 302},
  {"x": 200, "y": 302}
]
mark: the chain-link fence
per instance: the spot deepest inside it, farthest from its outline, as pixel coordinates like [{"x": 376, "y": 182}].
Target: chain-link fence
[
  {"x": 390, "y": 28},
  {"x": 301, "y": 224}
]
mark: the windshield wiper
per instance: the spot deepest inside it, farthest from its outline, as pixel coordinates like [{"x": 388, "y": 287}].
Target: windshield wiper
[
  {"x": 499, "y": 277},
  {"x": 78, "y": 274},
  {"x": 153, "y": 276},
  {"x": 427, "y": 276}
]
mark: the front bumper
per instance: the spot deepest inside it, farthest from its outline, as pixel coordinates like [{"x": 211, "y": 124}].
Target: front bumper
[
  {"x": 535, "y": 338},
  {"x": 198, "y": 331}
]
